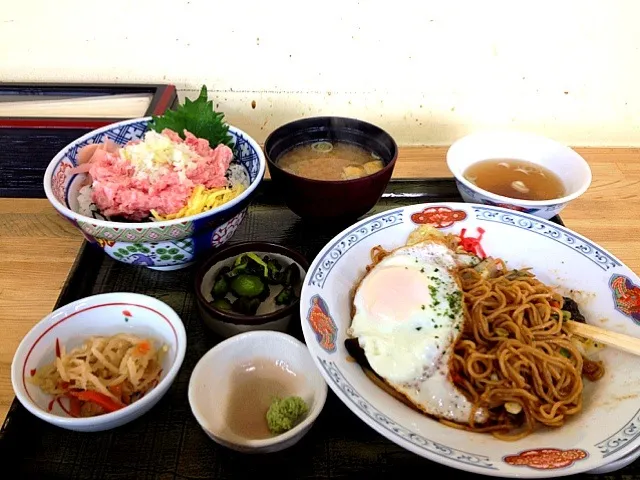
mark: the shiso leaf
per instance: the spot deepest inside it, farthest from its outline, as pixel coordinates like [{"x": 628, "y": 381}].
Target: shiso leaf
[{"x": 198, "y": 117}]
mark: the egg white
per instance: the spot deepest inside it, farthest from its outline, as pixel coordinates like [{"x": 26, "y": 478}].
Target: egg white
[{"x": 407, "y": 317}]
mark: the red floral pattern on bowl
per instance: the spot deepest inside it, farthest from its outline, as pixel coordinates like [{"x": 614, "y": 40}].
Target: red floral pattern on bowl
[
  {"x": 439, "y": 217},
  {"x": 58, "y": 183},
  {"x": 546, "y": 458}
]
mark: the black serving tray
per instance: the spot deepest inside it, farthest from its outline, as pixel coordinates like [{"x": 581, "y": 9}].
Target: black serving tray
[{"x": 167, "y": 443}]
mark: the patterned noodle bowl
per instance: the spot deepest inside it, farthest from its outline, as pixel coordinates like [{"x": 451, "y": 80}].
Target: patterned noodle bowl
[{"x": 607, "y": 431}]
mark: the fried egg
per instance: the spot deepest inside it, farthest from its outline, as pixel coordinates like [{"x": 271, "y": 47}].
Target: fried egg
[{"x": 407, "y": 317}]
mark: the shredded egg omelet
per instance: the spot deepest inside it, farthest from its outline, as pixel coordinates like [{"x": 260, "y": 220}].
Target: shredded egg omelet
[{"x": 202, "y": 200}]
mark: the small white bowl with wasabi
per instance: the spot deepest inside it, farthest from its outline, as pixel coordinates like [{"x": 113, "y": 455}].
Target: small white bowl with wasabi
[{"x": 257, "y": 392}]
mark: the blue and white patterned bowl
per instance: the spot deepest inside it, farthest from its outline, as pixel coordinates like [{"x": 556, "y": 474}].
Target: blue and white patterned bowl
[
  {"x": 607, "y": 429},
  {"x": 572, "y": 169},
  {"x": 166, "y": 245}
]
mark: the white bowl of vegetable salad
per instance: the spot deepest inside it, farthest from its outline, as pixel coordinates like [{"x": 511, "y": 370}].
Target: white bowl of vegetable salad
[{"x": 158, "y": 191}]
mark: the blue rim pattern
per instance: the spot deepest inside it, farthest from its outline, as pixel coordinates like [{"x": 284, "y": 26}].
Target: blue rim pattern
[
  {"x": 621, "y": 438},
  {"x": 246, "y": 155},
  {"x": 541, "y": 227},
  {"x": 381, "y": 419}
]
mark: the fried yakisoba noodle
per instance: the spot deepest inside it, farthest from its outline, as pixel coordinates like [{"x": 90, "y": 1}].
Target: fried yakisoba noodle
[{"x": 514, "y": 358}]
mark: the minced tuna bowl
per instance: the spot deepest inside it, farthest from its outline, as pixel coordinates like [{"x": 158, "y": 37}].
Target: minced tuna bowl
[{"x": 161, "y": 177}]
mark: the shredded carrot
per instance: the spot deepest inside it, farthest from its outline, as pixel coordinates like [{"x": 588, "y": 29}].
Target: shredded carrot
[
  {"x": 143, "y": 347},
  {"x": 116, "y": 390},
  {"x": 98, "y": 398},
  {"x": 75, "y": 405}
]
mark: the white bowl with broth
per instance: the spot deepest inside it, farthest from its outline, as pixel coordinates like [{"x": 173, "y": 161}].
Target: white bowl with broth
[
  {"x": 233, "y": 384},
  {"x": 520, "y": 171}
]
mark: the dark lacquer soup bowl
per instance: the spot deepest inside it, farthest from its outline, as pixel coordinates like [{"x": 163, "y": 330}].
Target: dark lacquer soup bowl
[{"x": 331, "y": 199}]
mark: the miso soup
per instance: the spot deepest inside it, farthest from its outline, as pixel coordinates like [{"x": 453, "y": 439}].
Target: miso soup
[
  {"x": 518, "y": 179},
  {"x": 330, "y": 161}
]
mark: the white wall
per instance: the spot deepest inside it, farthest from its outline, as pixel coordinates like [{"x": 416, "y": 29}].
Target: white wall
[{"x": 429, "y": 71}]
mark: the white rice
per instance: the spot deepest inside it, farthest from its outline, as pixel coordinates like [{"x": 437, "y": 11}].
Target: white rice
[
  {"x": 237, "y": 175},
  {"x": 86, "y": 206}
]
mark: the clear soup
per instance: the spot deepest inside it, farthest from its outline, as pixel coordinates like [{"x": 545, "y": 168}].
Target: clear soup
[{"x": 518, "y": 179}]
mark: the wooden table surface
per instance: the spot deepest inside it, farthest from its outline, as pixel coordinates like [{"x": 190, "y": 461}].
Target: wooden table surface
[{"x": 37, "y": 247}]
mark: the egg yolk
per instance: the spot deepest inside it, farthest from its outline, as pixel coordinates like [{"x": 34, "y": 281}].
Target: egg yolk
[
  {"x": 394, "y": 293},
  {"x": 404, "y": 315}
]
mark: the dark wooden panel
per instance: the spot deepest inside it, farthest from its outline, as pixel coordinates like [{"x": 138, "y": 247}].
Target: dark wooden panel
[{"x": 27, "y": 145}]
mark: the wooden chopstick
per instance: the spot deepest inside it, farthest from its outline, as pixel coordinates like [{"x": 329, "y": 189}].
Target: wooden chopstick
[{"x": 620, "y": 341}]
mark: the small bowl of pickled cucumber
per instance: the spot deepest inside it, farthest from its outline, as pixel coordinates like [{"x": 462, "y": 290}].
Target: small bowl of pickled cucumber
[{"x": 250, "y": 286}]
